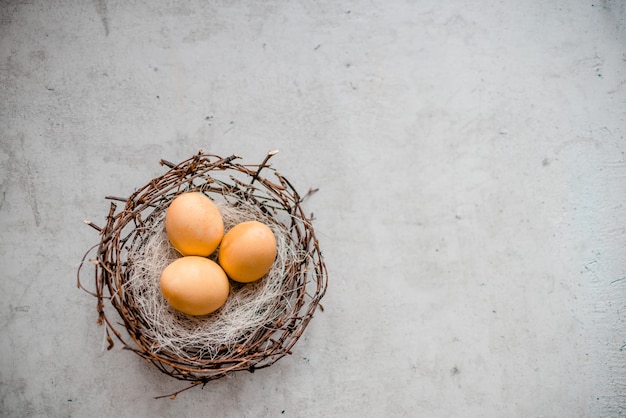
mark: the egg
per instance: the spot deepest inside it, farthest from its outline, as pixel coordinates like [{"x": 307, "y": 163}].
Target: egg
[
  {"x": 194, "y": 285},
  {"x": 247, "y": 251},
  {"x": 194, "y": 224}
]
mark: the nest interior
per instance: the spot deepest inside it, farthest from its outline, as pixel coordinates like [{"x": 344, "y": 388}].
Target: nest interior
[{"x": 200, "y": 349}]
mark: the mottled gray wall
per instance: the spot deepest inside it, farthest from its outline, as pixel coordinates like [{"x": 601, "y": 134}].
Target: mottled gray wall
[{"x": 470, "y": 160}]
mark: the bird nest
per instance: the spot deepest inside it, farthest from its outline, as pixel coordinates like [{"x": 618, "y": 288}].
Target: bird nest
[{"x": 259, "y": 323}]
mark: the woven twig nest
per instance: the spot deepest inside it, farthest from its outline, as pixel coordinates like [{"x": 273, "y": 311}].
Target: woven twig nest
[{"x": 275, "y": 310}]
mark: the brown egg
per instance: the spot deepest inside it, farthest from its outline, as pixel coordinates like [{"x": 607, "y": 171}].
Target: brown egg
[
  {"x": 247, "y": 251},
  {"x": 193, "y": 224},
  {"x": 194, "y": 285}
]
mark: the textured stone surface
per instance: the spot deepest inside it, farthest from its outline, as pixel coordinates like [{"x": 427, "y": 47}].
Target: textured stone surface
[{"x": 470, "y": 160}]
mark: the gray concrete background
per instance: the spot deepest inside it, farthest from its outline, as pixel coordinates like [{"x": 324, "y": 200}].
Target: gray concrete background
[{"x": 470, "y": 160}]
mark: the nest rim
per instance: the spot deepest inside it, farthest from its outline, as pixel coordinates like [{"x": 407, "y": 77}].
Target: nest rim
[{"x": 277, "y": 198}]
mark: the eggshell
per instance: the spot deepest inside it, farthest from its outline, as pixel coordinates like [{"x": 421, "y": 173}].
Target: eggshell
[
  {"x": 194, "y": 285},
  {"x": 194, "y": 224},
  {"x": 247, "y": 251}
]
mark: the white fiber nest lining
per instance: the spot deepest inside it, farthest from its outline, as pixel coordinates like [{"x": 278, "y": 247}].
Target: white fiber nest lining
[{"x": 249, "y": 306}]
